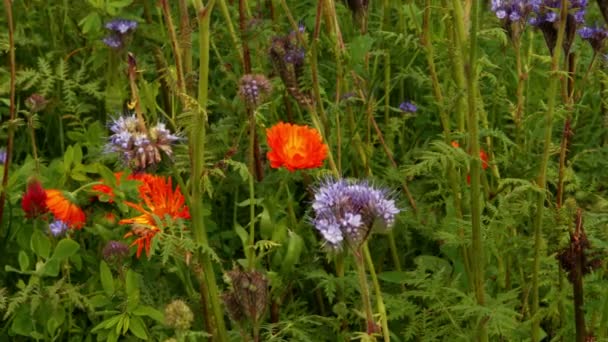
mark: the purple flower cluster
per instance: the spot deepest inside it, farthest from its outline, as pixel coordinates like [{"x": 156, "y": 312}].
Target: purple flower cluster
[
  {"x": 120, "y": 28},
  {"x": 58, "y": 228},
  {"x": 548, "y": 11},
  {"x": 2, "y": 156},
  {"x": 408, "y": 107},
  {"x": 348, "y": 210},
  {"x": 139, "y": 148},
  {"x": 511, "y": 10},
  {"x": 115, "y": 250},
  {"x": 254, "y": 88},
  {"x": 594, "y": 35}
]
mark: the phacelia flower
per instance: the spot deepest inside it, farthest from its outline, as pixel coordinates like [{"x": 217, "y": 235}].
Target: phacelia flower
[
  {"x": 120, "y": 29},
  {"x": 159, "y": 202},
  {"x": 2, "y": 156},
  {"x": 594, "y": 35},
  {"x": 253, "y": 89},
  {"x": 58, "y": 228},
  {"x": 349, "y": 210},
  {"x": 511, "y": 10},
  {"x": 288, "y": 60},
  {"x": 295, "y": 147},
  {"x": 33, "y": 202},
  {"x": 547, "y": 14},
  {"x": 408, "y": 107},
  {"x": 63, "y": 209},
  {"x": 139, "y": 148},
  {"x": 115, "y": 250}
]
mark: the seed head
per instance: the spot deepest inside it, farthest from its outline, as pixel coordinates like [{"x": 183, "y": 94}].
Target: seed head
[{"x": 178, "y": 315}]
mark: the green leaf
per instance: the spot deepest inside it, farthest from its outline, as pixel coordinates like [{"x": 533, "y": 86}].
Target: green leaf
[
  {"x": 242, "y": 233},
  {"x": 40, "y": 244},
  {"x": 90, "y": 23},
  {"x": 51, "y": 268},
  {"x": 132, "y": 284},
  {"x": 24, "y": 261},
  {"x": 137, "y": 327},
  {"x": 395, "y": 277},
  {"x": 65, "y": 248},
  {"x": 107, "y": 281},
  {"x": 144, "y": 310}
]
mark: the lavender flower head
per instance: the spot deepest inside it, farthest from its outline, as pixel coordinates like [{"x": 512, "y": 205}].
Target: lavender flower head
[
  {"x": 547, "y": 11},
  {"x": 594, "y": 35},
  {"x": 121, "y": 26},
  {"x": 408, "y": 107},
  {"x": 120, "y": 29},
  {"x": 58, "y": 228},
  {"x": 347, "y": 211},
  {"x": 511, "y": 10},
  {"x": 139, "y": 148}
]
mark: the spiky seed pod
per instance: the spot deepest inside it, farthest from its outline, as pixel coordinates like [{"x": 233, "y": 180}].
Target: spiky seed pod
[
  {"x": 248, "y": 297},
  {"x": 254, "y": 89},
  {"x": 36, "y": 103},
  {"x": 178, "y": 315},
  {"x": 115, "y": 251}
]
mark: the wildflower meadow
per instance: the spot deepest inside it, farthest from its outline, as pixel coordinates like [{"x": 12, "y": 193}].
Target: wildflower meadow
[{"x": 304, "y": 170}]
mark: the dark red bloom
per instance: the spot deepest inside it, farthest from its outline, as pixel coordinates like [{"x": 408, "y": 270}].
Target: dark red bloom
[{"x": 34, "y": 200}]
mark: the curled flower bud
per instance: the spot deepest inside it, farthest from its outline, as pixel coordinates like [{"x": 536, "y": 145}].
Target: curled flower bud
[
  {"x": 253, "y": 89},
  {"x": 115, "y": 250},
  {"x": 36, "y": 103},
  {"x": 248, "y": 297},
  {"x": 178, "y": 315}
]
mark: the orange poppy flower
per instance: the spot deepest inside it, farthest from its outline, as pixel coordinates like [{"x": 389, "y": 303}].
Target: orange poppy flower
[
  {"x": 63, "y": 209},
  {"x": 159, "y": 200},
  {"x": 295, "y": 147}
]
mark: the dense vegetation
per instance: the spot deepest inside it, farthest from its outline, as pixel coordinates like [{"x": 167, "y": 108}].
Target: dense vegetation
[{"x": 299, "y": 170}]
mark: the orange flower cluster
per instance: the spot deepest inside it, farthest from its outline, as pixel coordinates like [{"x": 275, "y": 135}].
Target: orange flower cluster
[
  {"x": 295, "y": 147},
  {"x": 158, "y": 201},
  {"x": 64, "y": 209}
]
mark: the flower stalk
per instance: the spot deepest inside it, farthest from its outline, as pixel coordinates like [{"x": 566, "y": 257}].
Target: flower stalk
[
  {"x": 541, "y": 182},
  {"x": 197, "y": 148}
]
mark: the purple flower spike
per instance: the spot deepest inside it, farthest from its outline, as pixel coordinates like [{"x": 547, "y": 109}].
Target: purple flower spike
[
  {"x": 121, "y": 26},
  {"x": 547, "y": 11},
  {"x": 511, "y": 10},
  {"x": 349, "y": 210},
  {"x": 2, "y": 156},
  {"x": 408, "y": 107},
  {"x": 594, "y": 35},
  {"x": 58, "y": 228}
]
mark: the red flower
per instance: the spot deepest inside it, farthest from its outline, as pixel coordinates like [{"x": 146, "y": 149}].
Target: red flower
[
  {"x": 482, "y": 155},
  {"x": 295, "y": 147},
  {"x": 34, "y": 200},
  {"x": 159, "y": 200},
  {"x": 64, "y": 210}
]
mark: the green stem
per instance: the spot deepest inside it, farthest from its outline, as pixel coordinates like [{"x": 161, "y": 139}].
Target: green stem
[
  {"x": 250, "y": 244},
  {"x": 230, "y": 26},
  {"x": 541, "y": 182},
  {"x": 458, "y": 52},
  {"x": 378, "y": 292},
  {"x": 477, "y": 257},
  {"x": 197, "y": 148},
  {"x": 367, "y": 305},
  {"x": 177, "y": 50}
]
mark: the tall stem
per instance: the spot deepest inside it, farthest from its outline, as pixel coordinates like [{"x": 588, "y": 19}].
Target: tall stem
[
  {"x": 197, "y": 149},
  {"x": 177, "y": 51},
  {"x": 477, "y": 257},
  {"x": 542, "y": 174},
  {"x": 11, "y": 130},
  {"x": 367, "y": 305},
  {"x": 378, "y": 292}
]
